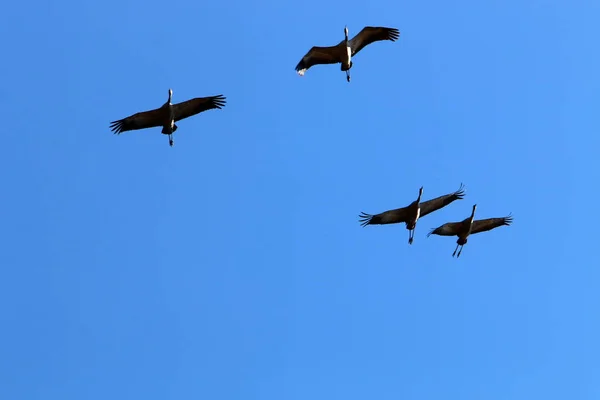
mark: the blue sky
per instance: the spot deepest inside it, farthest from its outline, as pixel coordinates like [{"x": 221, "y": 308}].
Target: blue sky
[{"x": 233, "y": 266}]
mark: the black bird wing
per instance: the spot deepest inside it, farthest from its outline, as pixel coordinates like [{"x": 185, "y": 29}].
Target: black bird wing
[
  {"x": 370, "y": 34},
  {"x": 191, "y": 107},
  {"x": 482, "y": 225},
  {"x": 318, "y": 55},
  {"x": 141, "y": 120},
  {"x": 448, "y": 229},
  {"x": 432, "y": 205},
  {"x": 387, "y": 217}
]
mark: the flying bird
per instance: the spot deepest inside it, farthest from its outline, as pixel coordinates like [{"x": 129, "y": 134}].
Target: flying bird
[
  {"x": 411, "y": 213},
  {"x": 166, "y": 115},
  {"x": 346, "y": 49},
  {"x": 469, "y": 227}
]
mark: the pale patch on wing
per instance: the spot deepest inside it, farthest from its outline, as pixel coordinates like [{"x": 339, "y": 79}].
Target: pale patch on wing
[{"x": 301, "y": 71}]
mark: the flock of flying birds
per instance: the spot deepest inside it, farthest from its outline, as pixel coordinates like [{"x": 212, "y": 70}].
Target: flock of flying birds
[
  {"x": 342, "y": 53},
  {"x": 417, "y": 209}
]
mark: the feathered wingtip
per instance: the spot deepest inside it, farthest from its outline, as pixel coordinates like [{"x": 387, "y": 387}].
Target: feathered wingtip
[
  {"x": 394, "y": 34},
  {"x": 116, "y": 126},
  {"x": 460, "y": 193},
  {"x": 219, "y": 101},
  {"x": 508, "y": 219},
  {"x": 365, "y": 219},
  {"x": 431, "y": 232}
]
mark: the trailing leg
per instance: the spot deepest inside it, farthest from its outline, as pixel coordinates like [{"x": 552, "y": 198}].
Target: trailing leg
[{"x": 454, "y": 254}]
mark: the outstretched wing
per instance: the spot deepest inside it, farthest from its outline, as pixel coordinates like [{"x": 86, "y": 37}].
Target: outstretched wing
[
  {"x": 483, "y": 225},
  {"x": 191, "y": 107},
  {"x": 387, "y": 217},
  {"x": 448, "y": 229},
  {"x": 141, "y": 120},
  {"x": 432, "y": 205},
  {"x": 318, "y": 55},
  {"x": 370, "y": 34}
]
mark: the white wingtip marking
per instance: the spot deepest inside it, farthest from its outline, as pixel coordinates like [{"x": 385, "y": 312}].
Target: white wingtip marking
[{"x": 301, "y": 72}]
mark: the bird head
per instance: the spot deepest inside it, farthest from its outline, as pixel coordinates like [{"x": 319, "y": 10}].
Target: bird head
[{"x": 346, "y": 31}]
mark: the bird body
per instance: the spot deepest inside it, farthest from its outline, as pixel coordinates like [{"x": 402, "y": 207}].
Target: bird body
[
  {"x": 414, "y": 211},
  {"x": 166, "y": 115},
  {"x": 465, "y": 231},
  {"x": 168, "y": 124}
]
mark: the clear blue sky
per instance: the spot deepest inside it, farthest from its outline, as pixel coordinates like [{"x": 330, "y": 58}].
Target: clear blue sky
[{"x": 233, "y": 266}]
